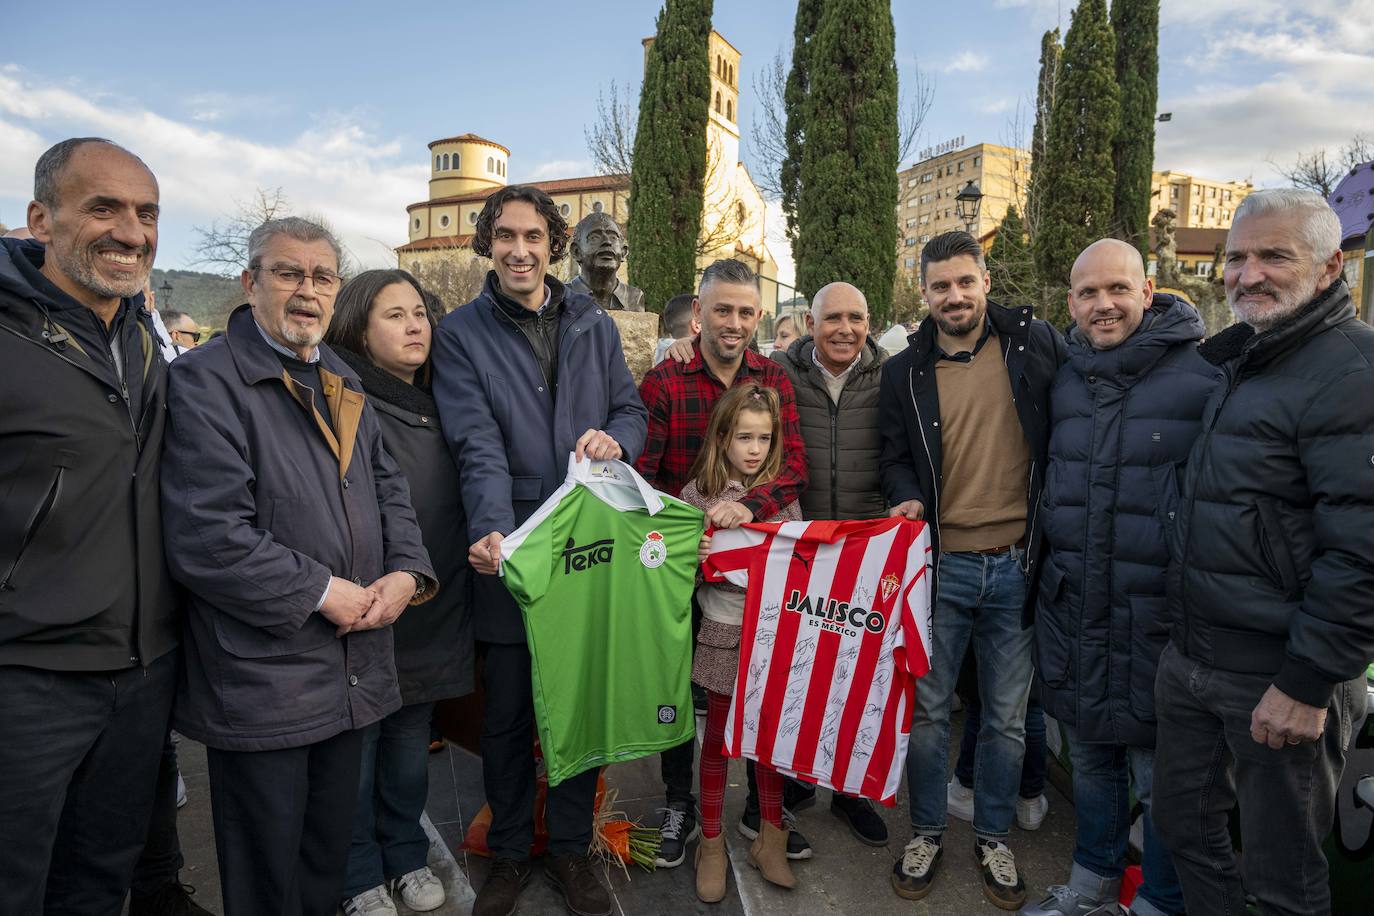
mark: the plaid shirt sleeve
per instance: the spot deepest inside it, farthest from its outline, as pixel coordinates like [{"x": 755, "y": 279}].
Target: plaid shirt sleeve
[
  {"x": 769, "y": 500},
  {"x": 652, "y": 393}
]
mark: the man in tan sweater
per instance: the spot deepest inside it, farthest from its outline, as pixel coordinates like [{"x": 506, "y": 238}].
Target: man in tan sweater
[{"x": 965, "y": 421}]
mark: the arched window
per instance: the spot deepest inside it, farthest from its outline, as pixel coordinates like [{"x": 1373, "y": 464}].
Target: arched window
[
  {"x": 501, "y": 168},
  {"x": 455, "y": 162},
  {"x": 720, "y": 67},
  {"x": 491, "y": 164},
  {"x": 437, "y": 160},
  {"x": 717, "y": 103},
  {"x": 730, "y": 74},
  {"x": 729, "y": 110},
  {"x": 445, "y": 166}
]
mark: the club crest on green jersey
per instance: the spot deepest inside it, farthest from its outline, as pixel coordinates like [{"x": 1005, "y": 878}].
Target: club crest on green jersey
[{"x": 653, "y": 551}]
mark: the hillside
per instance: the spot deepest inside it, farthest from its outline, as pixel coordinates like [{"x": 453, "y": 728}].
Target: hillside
[{"x": 209, "y": 298}]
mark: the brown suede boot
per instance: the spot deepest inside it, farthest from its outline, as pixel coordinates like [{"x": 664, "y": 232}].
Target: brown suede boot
[
  {"x": 769, "y": 855},
  {"x": 712, "y": 865}
]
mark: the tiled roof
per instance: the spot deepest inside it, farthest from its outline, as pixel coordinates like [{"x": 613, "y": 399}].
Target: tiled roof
[
  {"x": 440, "y": 241},
  {"x": 583, "y": 185},
  {"x": 470, "y": 138}
]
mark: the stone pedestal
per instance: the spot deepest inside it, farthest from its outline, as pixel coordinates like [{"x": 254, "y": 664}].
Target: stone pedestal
[{"x": 639, "y": 339}]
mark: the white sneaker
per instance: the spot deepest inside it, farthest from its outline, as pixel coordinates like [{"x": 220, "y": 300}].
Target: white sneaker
[
  {"x": 1030, "y": 812},
  {"x": 181, "y": 791},
  {"x": 959, "y": 800},
  {"x": 374, "y": 902},
  {"x": 421, "y": 890}
]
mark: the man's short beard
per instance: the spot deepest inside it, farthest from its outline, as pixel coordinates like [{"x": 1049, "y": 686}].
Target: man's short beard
[
  {"x": 296, "y": 336},
  {"x": 957, "y": 330},
  {"x": 80, "y": 266},
  {"x": 1285, "y": 304}
]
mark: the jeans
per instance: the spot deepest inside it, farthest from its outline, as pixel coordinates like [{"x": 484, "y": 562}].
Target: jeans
[
  {"x": 980, "y": 598},
  {"x": 393, "y": 784},
  {"x": 78, "y": 766},
  {"x": 1206, "y": 763},
  {"x": 1102, "y": 779},
  {"x": 1037, "y": 760},
  {"x": 161, "y": 860}
]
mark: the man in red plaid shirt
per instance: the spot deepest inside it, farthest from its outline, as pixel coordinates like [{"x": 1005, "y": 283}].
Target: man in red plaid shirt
[{"x": 679, "y": 397}]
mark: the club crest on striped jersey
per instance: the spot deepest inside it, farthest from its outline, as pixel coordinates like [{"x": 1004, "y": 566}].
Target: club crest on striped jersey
[
  {"x": 888, "y": 585},
  {"x": 653, "y": 551}
]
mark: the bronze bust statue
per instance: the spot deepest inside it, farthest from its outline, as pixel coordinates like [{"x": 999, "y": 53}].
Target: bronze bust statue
[{"x": 598, "y": 247}]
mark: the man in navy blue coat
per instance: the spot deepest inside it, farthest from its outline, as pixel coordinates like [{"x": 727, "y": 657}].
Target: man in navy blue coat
[
  {"x": 524, "y": 374},
  {"x": 1125, "y": 410}
]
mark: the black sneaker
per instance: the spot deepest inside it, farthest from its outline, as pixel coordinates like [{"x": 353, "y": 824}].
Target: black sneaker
[
  {"x": 916, "y": 868},
  {"x": 679, "y": 828},
  {"x": 172, "y": 900},
  {"x": 575, "y": 877},
  {"x": 699, "y": 703},
  {"x": 1002, "y": 885},
  {"x": 505, "y": 880},
  {"x": 868, "y": 828},
  {"x": 797, "y": 847},
  {"x": 796, "y": 794}
]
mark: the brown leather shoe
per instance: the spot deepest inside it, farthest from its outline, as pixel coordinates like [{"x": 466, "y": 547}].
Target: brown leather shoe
[
  {"x": 506, "y": 879},
  {"x": 769, "y": 855},
  {"x": 575, "y": 877},
  {"x": 712, "y": 865}
]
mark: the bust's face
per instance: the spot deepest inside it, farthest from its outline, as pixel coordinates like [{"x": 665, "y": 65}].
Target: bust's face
[{"x": 598, "y": 244}]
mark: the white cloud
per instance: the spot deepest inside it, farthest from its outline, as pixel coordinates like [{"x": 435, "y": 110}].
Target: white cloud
[
  {"x": 335, "y": 168},
  {"x": 557, "y": 168},
  {"x": 967, "y": 62},
  {"x": 996, "y": 106}
]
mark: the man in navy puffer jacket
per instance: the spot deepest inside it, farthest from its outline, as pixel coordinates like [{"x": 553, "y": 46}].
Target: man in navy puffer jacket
[{"x": 1125, "y": 410}]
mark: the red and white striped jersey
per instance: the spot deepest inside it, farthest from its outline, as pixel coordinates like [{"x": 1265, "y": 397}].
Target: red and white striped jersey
[{"x": 836, "y": 631}]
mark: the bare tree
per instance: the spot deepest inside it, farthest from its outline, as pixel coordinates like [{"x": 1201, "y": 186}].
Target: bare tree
[
  {"x": 223, "y": 245},
  {"x": 611, "y": 137},
  {"x": 1317, "y": 171},
  {"x": 611, "y": 143},
  {"x": 768, "y": 128},
  {"x": 455, "y": 279}
]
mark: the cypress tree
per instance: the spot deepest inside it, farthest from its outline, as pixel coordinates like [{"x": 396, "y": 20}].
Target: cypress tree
[
  {"x": 1079, "y": 180},
  {"x": 668, "y": 181},
  {"x": 847, "y": 201},
  {"x": 1010, "y": 262},
  {"x": 1136, "y": 25},
  {"x": 794, "y": 102},
  {"x": 1051, "y": 53}
]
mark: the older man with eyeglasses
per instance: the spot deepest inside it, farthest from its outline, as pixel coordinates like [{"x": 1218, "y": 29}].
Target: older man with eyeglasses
[{"x": 292, "y": 529}]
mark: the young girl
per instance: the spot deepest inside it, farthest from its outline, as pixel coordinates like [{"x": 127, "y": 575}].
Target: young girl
[{"x": 742, "y": 449}]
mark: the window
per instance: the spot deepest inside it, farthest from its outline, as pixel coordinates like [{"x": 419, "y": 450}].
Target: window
[
  {"x": 977, "y": 160},
  {"x": 564, "y": 209},
  {"x": 741, "y": 213},
  {"x": 911, "y": 182},
  {"x": 1197, "y": 211},
  {"x": 1226, "y": 195},
  {"x": 732, "y": 75},
  {"x": 960, "y": 168},
  {"x": 925, "y": 219},
  {"x": 924, "y": 239},
  {"x": 417, "y": 223},
  {"x": 1212, "y": 193},
  {"x": 472, "y": 218},
  {"x": 501, "y": 168},
  {"x": 910, "y": 243},
  {"x": 925, "y": 178},
  {"x": 1152, "y": 268},
  {"x": 729, "y": 110},
  {"x": 445, "y": 158},
  {"x": 911, "y": 202},
  {"x": 437, "y": 160},
  {"x": 443, "y": 221},
  {"x": 910, "y": 262},
  {"x": 455, "y": 162},
  {"x": 1211, "y": 212},
  {"x": 911, "y": 222},
  {"x": 415, "y": 267},
  {"x": 491, "y": 164},
  {"x": 1203, "y": 268},
  {"x": 1173, "y": 191},
  {"x": 717, "y": 103}
]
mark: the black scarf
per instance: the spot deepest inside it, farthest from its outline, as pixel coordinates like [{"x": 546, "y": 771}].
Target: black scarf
[{"x": 382, "y": 385}]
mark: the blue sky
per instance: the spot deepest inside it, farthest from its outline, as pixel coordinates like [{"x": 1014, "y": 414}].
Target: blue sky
[{"x": 334, "y": 103}]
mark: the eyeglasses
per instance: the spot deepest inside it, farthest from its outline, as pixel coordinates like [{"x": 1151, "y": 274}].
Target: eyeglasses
[
  {"x": 194, "y": 335},
  {"x": 289, "y": 279}
]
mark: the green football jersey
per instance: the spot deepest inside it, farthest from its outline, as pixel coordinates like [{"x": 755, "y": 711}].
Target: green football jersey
[{"x": 603, "y": 574}]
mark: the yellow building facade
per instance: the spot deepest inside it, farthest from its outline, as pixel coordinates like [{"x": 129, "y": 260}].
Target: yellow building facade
[
  {"x": 466, "y": 169},
  {"x": 927, "y": 190},
  {"x": 1199, "y": 203}
]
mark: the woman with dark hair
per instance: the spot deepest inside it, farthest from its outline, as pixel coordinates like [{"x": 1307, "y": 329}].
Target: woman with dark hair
[{"x": 382, "y": 328}]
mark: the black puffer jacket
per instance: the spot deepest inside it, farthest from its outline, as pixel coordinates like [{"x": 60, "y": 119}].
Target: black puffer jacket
[
  {"x": 83, "y": 581},
  {"x": 1277, "y": 521},
  {"x": 842, "y": 440},
  {"x": 1123, "y": 420},
  {"x": 434, "y": 650}
]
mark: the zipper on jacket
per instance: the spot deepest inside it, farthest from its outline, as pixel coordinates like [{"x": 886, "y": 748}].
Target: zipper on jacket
[
  {"x": 932, "y": 520},
  {"x": 834, "y": 453},
  {"x": 40, "y": 515},
  {"x": 530, "y": 343}
]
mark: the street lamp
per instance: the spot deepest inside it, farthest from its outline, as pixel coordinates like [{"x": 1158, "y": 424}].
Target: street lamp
[
  {"x": 967, "y": 203},
  {"x": 164, "y": 294}
]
